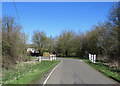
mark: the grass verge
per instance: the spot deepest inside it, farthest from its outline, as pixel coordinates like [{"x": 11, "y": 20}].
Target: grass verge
[
  {"x": 106, "y": 70},
  {"x": 28, "y": 73}
]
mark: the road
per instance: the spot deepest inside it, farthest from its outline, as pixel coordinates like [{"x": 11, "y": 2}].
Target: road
[{"x": 75, "y": 71}]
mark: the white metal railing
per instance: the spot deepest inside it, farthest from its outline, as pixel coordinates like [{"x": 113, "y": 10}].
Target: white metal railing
[
  {"x": 92, "y": 58},
  {"x": 51, "y": 57}
]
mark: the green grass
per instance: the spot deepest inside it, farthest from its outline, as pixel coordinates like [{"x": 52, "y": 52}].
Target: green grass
[
  {"x": 28, "y": 73},
  {"x": 106, "y": 70}
]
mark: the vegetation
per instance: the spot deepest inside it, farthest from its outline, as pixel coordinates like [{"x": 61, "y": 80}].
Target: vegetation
[
  {"x": 46, "y": 54},
  {"x": 64, "y": 43},
  {"x": 27, "y": 73},
  {"x": 102, "y": 40},
  {"x": 13, "y": 43},
  {"x": 105, "y": 69},
  {"x": 42, "y": 42}
]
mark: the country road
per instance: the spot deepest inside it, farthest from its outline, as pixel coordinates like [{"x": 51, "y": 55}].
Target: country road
[{"x": 75, "y": 71}]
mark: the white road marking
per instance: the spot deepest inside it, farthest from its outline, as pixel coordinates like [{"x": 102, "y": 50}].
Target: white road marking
[{"x": 51, "y": 73}]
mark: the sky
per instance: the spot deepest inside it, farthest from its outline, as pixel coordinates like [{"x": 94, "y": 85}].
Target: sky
[{"x": 54, "y": 17}]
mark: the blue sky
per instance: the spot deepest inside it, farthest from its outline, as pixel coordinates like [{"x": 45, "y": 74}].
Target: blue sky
[{"x": 53, "y": 17}]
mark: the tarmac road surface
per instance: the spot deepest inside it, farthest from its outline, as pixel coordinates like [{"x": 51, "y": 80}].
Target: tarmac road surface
[{"x": 76, "y": 71}]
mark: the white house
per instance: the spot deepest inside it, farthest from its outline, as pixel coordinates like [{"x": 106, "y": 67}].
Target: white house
[{"x": 32, "y": 50}]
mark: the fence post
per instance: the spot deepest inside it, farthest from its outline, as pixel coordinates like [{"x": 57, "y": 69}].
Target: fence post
[
  {"x": 51, "y": 57},
  {"x": 55, "y": 56},
  {"x": 92, "y": 58},
  {"x": 89, "y": 56},
  {"x": 39, "y": 58},
  {"x": 95, "y": 58}
]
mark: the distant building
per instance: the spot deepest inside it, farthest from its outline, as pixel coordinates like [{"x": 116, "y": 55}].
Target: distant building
[{"x": 33, "y": 51}]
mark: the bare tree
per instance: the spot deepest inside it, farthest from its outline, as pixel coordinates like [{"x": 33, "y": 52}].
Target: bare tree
[
  {"x": 39, "y": 40},
  {"x": 65, "y": 42},
  {"x": 13, "y": 42}
]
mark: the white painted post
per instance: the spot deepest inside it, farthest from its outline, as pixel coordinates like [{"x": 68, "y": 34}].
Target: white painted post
[
  {"x": 89, "y": 56},
  {"x": 95, "y": 58},
  {"x": 55, "y": 56},
  {"x": 50, "y": 57},
  {"x": 92, "y": 58},
  {"x": 39, "y": 58}
]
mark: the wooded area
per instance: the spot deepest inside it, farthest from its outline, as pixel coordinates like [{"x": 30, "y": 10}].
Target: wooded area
[
  {"x": 13, "y": 43},
  {"x": 103, "y": 40}
]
